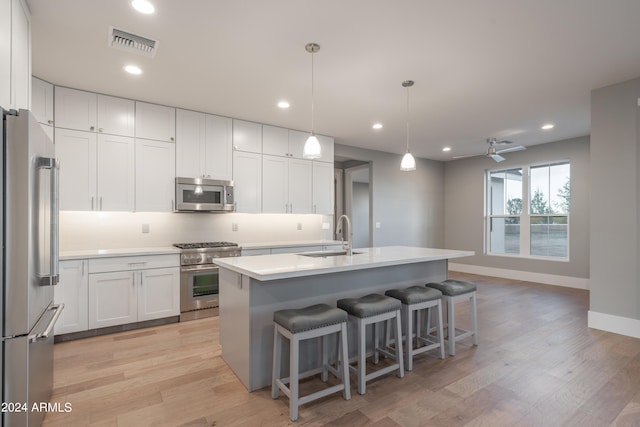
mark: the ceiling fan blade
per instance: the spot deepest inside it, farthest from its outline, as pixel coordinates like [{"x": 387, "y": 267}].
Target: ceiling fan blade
[
  {"x": 498, "y": 158},
  {"x": 511, "y": 149},
  {"x": 466, "y": 155},
  {"x": 503, "y": 142}
]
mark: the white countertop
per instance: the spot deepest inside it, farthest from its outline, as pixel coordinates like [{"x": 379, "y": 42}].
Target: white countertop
[
  {"x": 291, "y": 243},
  {"x": 106, "y": 253},
  {"x": 284, "y": 266}
]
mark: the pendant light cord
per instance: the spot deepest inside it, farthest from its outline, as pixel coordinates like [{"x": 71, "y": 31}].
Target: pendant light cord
[
  {"x": 312, "y": 94},
  {"x": 407, "y": 119}
]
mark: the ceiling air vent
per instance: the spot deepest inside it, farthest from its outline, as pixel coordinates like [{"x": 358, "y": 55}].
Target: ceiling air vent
[{"x": 132, "y": 42}]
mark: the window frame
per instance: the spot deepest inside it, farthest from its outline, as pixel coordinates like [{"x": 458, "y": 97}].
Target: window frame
[{"x": 525, "y": 213}]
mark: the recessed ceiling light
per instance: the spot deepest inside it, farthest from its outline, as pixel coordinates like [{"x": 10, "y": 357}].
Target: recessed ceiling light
[
  {"x": 143, "y": 6},
  {"x": 283, "y": 104},
  {"x": 548, "y": 126},
  {"x": 133, "y": 69},
  {"x": 446, "y": 149},
  {"x": 377, "y": 126}
]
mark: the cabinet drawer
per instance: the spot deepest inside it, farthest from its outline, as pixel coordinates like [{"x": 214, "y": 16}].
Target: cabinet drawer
[{"x": 105, "y": 265}]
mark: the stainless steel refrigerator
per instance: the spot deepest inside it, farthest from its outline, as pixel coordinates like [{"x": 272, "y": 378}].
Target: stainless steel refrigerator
[{"x": 29, "y": 254}]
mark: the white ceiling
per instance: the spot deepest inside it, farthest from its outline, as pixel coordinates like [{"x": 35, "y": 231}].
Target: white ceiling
[{"x": 491, "y": 68}]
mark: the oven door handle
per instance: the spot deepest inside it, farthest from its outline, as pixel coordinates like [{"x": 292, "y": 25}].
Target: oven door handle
[{"x": 199, "y": 268}]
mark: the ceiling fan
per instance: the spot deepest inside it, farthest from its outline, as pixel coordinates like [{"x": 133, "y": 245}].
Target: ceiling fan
[{"x": 494, "y": 153}]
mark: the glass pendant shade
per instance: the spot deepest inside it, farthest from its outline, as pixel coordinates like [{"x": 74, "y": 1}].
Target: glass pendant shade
[
  {"x": 311, "y": 149},
  {"x": 408, "y": 162}
]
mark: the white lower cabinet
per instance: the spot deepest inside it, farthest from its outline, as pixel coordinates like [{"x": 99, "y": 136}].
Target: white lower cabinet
[
  {"x": 123, "y": 297},
  {"x": 73, "y": 291},
  {"x": 102, "y": 292},
  {"x": 113, "y": 299}
]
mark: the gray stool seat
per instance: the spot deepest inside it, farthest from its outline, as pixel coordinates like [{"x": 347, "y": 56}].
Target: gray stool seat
[
  {"x": 314, "y": 322},
  {"x": 312, "y": 317},
  {"x": 374, "y": 309},
  {"x": 455, "y": 291},
  {"x": 369, "y": 305},
  {"x": 414, "y": 294},
  {"x": 452, "y": 287}
]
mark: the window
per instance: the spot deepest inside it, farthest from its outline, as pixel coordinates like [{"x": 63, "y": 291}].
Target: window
[{"x": 542, "y": 228}]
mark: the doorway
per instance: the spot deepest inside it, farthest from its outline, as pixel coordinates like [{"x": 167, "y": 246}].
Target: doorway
[{"x": 353, "y": 197}]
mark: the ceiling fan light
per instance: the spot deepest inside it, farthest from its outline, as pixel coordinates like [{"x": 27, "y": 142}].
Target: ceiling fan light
[
  {"x": 408, "y": 162},
  {"x": 311, "y": 149}
]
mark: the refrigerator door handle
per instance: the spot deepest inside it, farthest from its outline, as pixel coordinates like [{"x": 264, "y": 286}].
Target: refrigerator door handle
[
  {"x": 45, "y": 334},
  {"x": 54, "y": 166}
]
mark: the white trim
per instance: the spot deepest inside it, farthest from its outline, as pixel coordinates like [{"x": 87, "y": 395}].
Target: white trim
[
  {"x": 616, "y": 324},
  {"x": 528, "y": 276}
]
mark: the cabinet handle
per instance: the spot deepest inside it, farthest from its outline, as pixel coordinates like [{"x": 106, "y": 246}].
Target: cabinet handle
[
  {"x": 99, "y": 129},
  {"x": 92, "y": 128},
  {"x": 172, "y": 208},
  {"x": 100, "y": 202},
  {"x": 314, "y": 208},
  {"x": 50, "y": 122},
  {"x": 171, "y": 139},
  {"x": 92, "y": 199}
]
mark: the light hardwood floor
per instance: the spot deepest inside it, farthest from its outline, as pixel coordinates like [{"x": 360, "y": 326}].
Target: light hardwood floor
[{"x": 537, "y": 364}]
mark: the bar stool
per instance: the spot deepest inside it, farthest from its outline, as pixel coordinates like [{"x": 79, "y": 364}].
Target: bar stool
[
  {"x": 320, "y": 320},
  {"x": 420, "y": 300},
  {"x": 454, "y": 291},
  {"x": 370, "y": 310}
]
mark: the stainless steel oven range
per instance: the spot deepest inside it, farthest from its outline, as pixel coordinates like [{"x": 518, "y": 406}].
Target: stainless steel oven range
[{"x": 199, "y": 277}]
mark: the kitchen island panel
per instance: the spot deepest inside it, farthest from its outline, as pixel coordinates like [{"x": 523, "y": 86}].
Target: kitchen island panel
[{"x": 247, "y": 306}]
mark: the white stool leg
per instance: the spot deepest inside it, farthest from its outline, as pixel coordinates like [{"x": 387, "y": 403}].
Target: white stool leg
[
  {"x": 275, "y": 374},
  {"x": 409, "y": 336},
  {"x": 293, "y": 378},
  {"x": 451, "y": 327},
  {"x": 376, "y": 356},
  {"x": 343, "y": 357},
  {"x": 324, "y": 344},
  {"x": 474, "y": 318},
  {"x": 440, "y": 329},
  {"x": 362, "y": 351},
  {"x": 399, "y": 344}
]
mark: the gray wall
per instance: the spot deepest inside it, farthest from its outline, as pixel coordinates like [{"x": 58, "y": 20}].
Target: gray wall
[
  {"x": 615, "y": 200},
  {"x": 464, "y": 207},
  {"x": 360, "y": 213},
  {"x": 408, "y": 205}
]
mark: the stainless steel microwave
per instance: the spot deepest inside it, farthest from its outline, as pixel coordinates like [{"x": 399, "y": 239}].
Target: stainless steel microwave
[{"x": 204, "y": 195}]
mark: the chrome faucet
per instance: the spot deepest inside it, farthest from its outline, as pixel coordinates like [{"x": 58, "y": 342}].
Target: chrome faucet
[{"x": 345, "y": 245}]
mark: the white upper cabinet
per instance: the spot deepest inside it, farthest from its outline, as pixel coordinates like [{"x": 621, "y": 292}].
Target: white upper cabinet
[
  {"x": 247, "y": 180},
  {"x": 116, "y": 116},
  {"x": 290, "y": 143},
  {"x": 218, "y": 147},
  {"x": 15, "y": 54},
  {"x": 286, "y": 185},
  {"x": 76, "y": 151},
  {"x": 155, "y": 176},
  {"x": 87, "y": 111},
  {"x": 203, "y": 146},
  {"x": 42, "y": 101},
  {"x": 75, "y": 109},
  {"x": 275, "y": 141},
  {"x": 5, "y": 54},
  {"x": 115, "y": 173},
  {"x": 326, "y": 147},
  {"x": 247, "y": 136},
  {"x": 323, "y": 188},
  {"x": 296, "y": 143},
  {"x": 96, "y": 172},
  {"x": 155, "y": 122}
]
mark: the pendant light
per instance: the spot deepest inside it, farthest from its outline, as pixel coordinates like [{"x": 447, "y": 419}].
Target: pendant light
[
  {"x": 408, "y": 163},
  {"x": 312, "y": 149}
]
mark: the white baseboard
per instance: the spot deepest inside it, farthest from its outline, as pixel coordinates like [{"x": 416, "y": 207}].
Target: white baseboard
[
  {"x": 615, "y": 324},
  {"x": 528, "y": 276}
]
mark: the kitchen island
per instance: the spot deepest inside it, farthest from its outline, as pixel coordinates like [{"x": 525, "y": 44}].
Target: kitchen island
[{"x": 253, "y": 287}]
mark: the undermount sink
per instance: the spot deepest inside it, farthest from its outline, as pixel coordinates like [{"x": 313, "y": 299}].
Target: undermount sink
[{"x": 324, "y": 254}]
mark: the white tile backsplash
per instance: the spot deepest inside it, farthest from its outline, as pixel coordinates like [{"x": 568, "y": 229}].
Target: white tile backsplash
[{"x": 114, "y": 230}]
